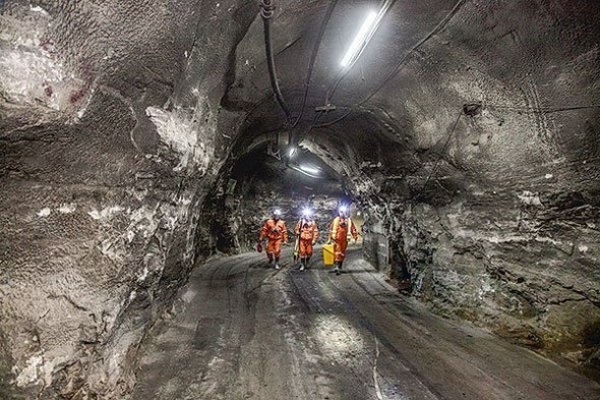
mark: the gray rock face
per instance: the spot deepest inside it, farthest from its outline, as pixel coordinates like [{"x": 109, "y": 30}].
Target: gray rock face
[
  {"x": 101, "y": 181},
  {"x": 468, "y": 131},
  {"x": 539, "y": 289}
]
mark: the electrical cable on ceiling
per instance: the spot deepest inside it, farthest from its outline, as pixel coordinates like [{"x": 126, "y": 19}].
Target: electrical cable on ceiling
[
  {"x": 444, "y": 148},
  {"x": 441, "y": 25},
  {"x": 385, "y": 7},
  {"x": 267, "y": 9},
  {"x": 542, "y": 110},
  {"x": 313, "y": 56}
]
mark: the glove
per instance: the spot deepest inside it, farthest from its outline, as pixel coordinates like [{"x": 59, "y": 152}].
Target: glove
[{"x": 259, "y": 247}]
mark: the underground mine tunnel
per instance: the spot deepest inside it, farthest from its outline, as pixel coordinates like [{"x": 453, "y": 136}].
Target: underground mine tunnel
[{"x": 144, "y": 144}]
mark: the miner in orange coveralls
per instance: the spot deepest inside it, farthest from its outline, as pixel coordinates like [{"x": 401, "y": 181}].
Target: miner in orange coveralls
[
  {"x": 275, "y": 231},
  {"x": 307, "y": 232},
  {"x": 338, "y": 233}
]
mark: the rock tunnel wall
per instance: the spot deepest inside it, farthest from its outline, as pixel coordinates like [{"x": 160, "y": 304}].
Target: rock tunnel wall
[
  {"x": 109, "y": 114},
  {"x": 520, "y": 262},
  {"x": 496, "y": 221},
  {"x": 471, "y": 136}
]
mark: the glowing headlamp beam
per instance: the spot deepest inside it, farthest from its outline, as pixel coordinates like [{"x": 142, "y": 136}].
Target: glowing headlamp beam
[{"x": 360, "y": 39}]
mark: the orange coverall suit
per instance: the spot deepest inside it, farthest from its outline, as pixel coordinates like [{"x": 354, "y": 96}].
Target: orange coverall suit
[
  {"x": 309, "y": 233},
  {"x": 275, "y": 231},
  {"x": 339, "y": 235}
]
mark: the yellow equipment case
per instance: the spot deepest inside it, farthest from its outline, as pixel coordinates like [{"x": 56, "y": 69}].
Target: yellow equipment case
[{"x": 328, "y": 255}]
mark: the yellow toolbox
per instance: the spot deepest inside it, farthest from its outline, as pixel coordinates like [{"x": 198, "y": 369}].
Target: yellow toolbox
[{"x": 328, "y": 255}]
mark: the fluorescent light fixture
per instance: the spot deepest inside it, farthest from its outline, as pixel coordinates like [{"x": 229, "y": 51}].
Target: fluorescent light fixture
[
  {"x": 307, "y": 170},
  {"x": 310, "y": 169},
  {"x": 360, "y": 39}
]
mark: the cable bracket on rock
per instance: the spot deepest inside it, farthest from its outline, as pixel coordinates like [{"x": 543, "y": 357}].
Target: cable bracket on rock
[{"x": 267, "y": 9}]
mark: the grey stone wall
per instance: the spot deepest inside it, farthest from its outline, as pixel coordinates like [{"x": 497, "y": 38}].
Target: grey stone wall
[{"x": 110, "y": 135}]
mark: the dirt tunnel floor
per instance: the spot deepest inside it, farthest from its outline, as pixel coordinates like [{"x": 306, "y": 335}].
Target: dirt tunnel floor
[{"x": 242, "y": 331}]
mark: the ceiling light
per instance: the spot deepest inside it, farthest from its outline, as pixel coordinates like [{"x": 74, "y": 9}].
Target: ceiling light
[
  {"x": 360, "y": 39},
  {"x": 310, "y": 169},
  {"x": 307, "y": 170}
]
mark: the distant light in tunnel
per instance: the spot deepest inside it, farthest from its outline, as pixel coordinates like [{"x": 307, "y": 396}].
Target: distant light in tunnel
[
  {"x": 343, "y": 209},
  {"x": 309, "y": 169},
  {"x": 358, "y": 42}
]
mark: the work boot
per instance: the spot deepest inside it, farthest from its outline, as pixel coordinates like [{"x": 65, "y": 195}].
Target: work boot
[
  {"x": 301, "y": 267},
  {"x": 277, "y": 265}
]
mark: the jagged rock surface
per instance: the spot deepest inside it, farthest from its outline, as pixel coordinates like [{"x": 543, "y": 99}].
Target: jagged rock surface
[{"x": 108, "y": 120}]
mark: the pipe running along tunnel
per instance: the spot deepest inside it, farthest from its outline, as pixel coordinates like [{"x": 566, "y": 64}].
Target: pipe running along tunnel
[{"x": 144, "y": 144}]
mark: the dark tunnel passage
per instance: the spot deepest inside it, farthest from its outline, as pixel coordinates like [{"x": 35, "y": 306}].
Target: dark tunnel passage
[
  {"x": 263, "y": 180},
  {"x": 144, "y": 143}
]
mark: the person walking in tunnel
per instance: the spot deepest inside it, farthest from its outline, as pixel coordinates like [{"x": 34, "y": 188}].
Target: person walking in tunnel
[
  {"x": 307, "y": 232},
  {"x": 338, "y": 233},
  {"x": 275, "y": 231}
]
